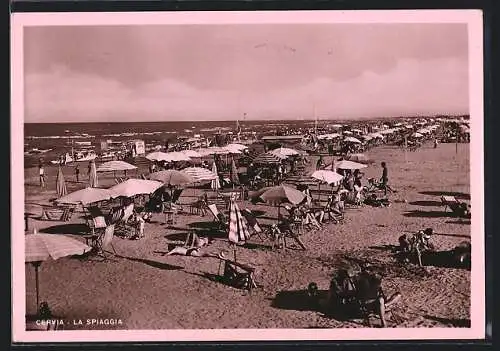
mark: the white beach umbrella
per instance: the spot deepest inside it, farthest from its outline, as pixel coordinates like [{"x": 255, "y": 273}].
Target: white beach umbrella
[
  {"x": 157, "y": 156},
  {"x": 85, "y": 196},
  {"x": 215, "y": 185},
  {"x": 192, "y": 154},
  {"x": 417, "y": 135},
  {"x": 133, "y": 187},
  {"x": 352, "y": 140},
  {"x": 346, "y": 164},
  {"x": 283, "y": 151},
  {"x": 327, "y": 176},
  {"x": 112, "y": 166}
]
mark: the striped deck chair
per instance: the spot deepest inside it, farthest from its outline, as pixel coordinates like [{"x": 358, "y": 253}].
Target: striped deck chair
[{"x": 219, "y": 217}]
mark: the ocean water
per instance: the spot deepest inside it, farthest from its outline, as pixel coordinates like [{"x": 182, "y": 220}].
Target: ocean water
[{"x": 59, "y": 137}]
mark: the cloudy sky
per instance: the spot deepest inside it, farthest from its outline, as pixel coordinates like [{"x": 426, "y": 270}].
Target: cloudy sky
[{"x": 216, "y": 72}]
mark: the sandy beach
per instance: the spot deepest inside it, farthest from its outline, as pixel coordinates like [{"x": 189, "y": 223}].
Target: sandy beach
[{"x": 147, "y": 289}]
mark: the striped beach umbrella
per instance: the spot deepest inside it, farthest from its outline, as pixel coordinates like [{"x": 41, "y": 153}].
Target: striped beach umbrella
[
  {"x": 268, "y": 158},
  {"x": 41, "y": 247},
  {"x": 238, "y": 226},
  {"x": 60, "y": 183},
  {"x": 113, "y": 166},
  {"x": 93, "y": 182},
  {"x": 200, "y": 174}
]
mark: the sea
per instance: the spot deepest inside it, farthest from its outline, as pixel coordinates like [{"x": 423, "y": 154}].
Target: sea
[{"x": 55, "y": 139}]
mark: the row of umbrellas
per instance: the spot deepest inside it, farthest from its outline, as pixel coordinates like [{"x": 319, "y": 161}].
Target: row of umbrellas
[{"x": 187, "y": 155}]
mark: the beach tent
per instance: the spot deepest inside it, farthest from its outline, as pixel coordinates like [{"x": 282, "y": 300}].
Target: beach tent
[{"x": 60, "y": 183}]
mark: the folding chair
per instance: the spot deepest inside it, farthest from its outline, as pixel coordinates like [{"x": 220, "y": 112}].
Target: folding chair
[
  {"x": 105, "y": 241},
  {"x": 237, "y": 274},
  {"x": 219, "y": 217},
  {"x": 449, "y": 202},
  {"x": 253, "y": 223}
]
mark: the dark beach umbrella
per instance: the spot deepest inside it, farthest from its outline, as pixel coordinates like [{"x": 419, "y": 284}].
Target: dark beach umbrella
[
  {"x": 60, "y": 183},
  {"x": 172, "y": 177},
  {"x": 278, "y": 195}
]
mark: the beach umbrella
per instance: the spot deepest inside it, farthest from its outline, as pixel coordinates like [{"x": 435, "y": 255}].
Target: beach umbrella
[
  {"x": 200, "y": 174},
  {"x": 215, "y": 185},
  {"x": 326, "y": 176},
  {"x": 268, "y": 158},
  {"x": 284, "y": 152},
  {"x": 346, "y": 164},
  {"x": 377, "y": 135},
  {"x": 347, "y": 132},
  {"x": 176, "y": 156},
  {"x": 235, "y": 146},
  {"x": 238, "y": 227},
  {"x": 277, "y": 195},
  {"x": 41, "y": 247},
  {"x": 86, "y": 196},
  {"x": 93, "y": 182},
  {"x": 352, "y": 140},
  {"x": 157, "y": 156},
  {"x": 234, "y": 173},
  {"x": 60, "y": 183},
  {"x": 191, "y": 153},
  {"x": 361, "y": 158},
  {"x": 172, "y": 177},
  {"x": 112, "y": 166},
  {"x": 133, "y": 187},
  {"x": 416, "y": 135}
]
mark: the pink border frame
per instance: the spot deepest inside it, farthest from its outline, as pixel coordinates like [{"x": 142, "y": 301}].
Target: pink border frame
[{"x": 473, "y": 18}]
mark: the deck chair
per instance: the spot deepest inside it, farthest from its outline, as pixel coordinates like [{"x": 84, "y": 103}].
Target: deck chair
[
  {"x": 458, "y": 208},
  {"x": 122, "y": 225},
  {"x": 238, "y": 275},
  {"x": 284, "y": 231},
  {"x": 105, "y": 241},
  {"x": 219, "y": 217},
  {"x": 253, "y": 224},
  {"x": 55, "y": 213}
]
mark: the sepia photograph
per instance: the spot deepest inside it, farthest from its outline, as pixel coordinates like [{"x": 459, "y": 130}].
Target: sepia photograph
[{"x": 279, "y": 175}]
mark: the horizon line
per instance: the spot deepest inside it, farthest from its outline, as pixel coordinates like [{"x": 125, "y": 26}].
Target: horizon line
[{"x": 264, "y": 119}]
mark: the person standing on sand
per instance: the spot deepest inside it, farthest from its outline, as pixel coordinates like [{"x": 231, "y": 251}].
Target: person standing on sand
[
  {"x": 385, "y": 178},
  {"x": 89, "y": 169},
  {"x": 77, "y": 173},
  {"x": 435, "y": 143},
  {"x": 41, "y": 172}
]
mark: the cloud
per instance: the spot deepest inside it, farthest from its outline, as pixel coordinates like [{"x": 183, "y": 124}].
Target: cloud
[{"x": 411, "y": 86}]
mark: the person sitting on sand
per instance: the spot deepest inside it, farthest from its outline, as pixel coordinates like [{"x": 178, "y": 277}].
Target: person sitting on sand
[
  {"x": 372, "y": 200},
  {"x": 342, "y": 289}
]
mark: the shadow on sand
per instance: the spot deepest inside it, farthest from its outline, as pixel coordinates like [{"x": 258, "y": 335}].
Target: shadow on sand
[
  {"x": 155, "y": 264},
  {"x": 71, "y": 228},
  {"x": 427, "y": 214},
  {"x": 458, "y": 195},
  {"x": 454, "y": 322},
  {"x": 426, "y": 203}
]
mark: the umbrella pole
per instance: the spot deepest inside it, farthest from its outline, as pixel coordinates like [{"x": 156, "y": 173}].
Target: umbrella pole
[{"x": 37, "y": 264}]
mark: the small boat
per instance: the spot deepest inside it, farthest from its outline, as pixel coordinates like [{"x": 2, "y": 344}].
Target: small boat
[{"x": 68, "y": 159}]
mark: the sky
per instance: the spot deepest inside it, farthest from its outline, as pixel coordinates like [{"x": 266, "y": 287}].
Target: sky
[{"x": 266, "y": 71}]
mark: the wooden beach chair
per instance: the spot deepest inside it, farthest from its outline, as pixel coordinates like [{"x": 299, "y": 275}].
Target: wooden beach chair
[{"x": 458, "y": 208}]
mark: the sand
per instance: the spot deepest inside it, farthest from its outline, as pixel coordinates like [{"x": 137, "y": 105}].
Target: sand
[{"x": 146, "y": 289}]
